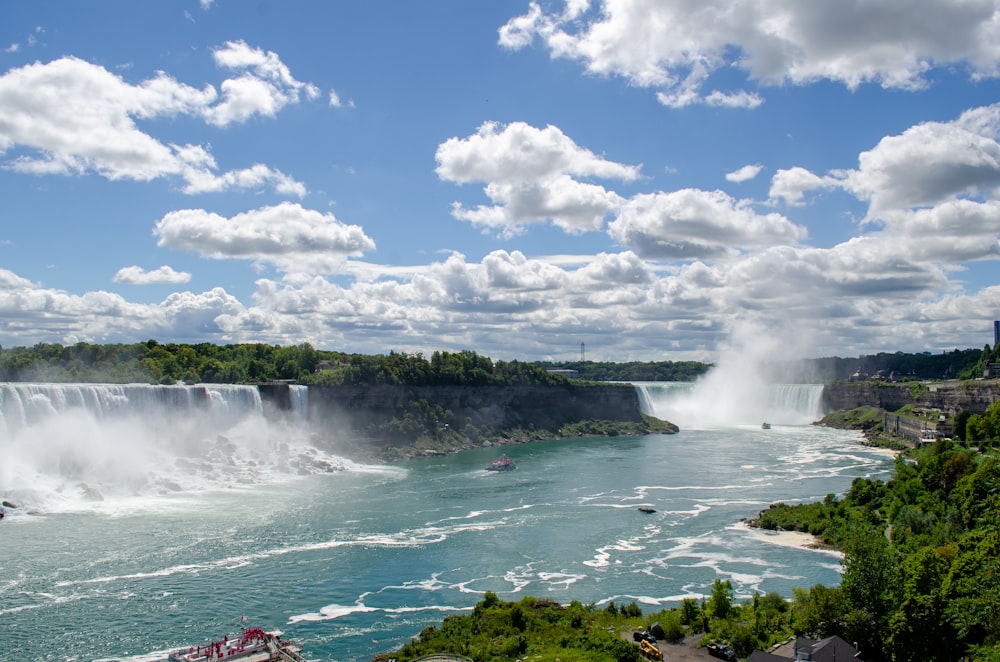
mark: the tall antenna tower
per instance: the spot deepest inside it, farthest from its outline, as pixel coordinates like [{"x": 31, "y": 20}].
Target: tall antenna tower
[{"x": 583, "y": 353}]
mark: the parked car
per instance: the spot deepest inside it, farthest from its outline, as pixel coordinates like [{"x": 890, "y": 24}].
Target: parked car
[
  {"x": 722, "y": 652},
  {"x": 642, "y": 635}
]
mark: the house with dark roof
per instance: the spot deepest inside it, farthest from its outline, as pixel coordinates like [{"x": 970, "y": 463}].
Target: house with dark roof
[{"x": 831, "y": 649}]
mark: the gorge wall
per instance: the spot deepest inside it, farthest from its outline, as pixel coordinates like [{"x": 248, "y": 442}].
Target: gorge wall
[
  {"x": 948, "y": 397},
  {"x": 493, "y": 407}
]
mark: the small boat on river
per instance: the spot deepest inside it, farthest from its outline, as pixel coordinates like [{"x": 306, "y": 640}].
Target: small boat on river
[
  {"x": 250, "y": 645},
  {"x": 765, "y": 426},
  {"x": 502, "y": 463}
]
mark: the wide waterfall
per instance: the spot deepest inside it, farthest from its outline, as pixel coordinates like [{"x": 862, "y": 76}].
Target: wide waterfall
[
  {"x": 713, "y": 403},
  {"x": 69, "y": 447}
]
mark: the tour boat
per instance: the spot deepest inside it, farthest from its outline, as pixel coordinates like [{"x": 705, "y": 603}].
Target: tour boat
[
  {"x": 250, "y": 645},
  {"x": 502, "y": 463}
]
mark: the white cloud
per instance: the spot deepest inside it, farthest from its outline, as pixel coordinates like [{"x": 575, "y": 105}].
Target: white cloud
[
  {"x": 287, "y": 236},
  {"x": 531, "y": 176},
  {"x": 930, "y": 163},
  {"x": 135, "y": 275},
  {"x": 675, "y": 46},
  {"x": 692, "y": 223},
  {"x": 855, "y": 296},
  {"x": 265, "y": 85},
  {"x": 72, "y": 117},
  {"x": 744, "y": 174},
  {"x": 104, "y": 317},
  {"x": 954, "y": 231},
  {"x": 791, "y": 185},
  {"x": 932, "y": 189}
]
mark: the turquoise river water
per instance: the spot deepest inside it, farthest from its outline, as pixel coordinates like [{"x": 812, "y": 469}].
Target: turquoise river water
[{"x": 135, "y": 535}]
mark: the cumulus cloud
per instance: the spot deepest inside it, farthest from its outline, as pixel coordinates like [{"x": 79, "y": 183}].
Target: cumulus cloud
[
  {"x": 72, "y": 117},
  {"x": 676, "y": 47},
  {"x": 744, "y": 174},
  {"x": 930, "y": 163},
  {"x": 288, "y": 236},
  {"x": 692, "y": 223},
  {"x": 135, "y": 275},
  {"x": 264, "y": 87},
  {"x": 532, "y": 175},
  {"x": 791, "y": 185},
  {"x": 105, "y": 317},
  {"x": 931, "y": 190}
]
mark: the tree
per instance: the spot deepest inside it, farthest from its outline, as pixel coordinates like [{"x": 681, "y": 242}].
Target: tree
[
  {"x": 819, "y": 612},
  {"x": 721, "y": 601},
  {"x": 870, "y": 580}
]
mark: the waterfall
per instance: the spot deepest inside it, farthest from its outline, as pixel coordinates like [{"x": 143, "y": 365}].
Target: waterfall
[
  {"x": 712, "y": 403},
  {"x": 300, "y": 403},
  {"x": 72, "y": 446}
]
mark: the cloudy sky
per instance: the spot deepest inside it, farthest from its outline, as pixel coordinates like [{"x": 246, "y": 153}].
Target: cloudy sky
[{"x": 657, "y": 179}]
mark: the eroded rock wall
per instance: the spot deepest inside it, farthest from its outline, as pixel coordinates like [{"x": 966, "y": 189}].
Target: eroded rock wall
[{"x": 948, "y": 397}]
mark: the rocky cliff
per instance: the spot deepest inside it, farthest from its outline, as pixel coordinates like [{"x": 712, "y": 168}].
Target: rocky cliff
[
  {"x": 948, "y": 397},
  {"x": 496, "y": 407}
]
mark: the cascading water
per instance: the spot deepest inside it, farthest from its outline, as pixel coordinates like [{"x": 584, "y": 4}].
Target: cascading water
[
  {"x": 69, "y": 447},
  {"x": 300, "y": 403},
  {"x": 711, "y": 403}
]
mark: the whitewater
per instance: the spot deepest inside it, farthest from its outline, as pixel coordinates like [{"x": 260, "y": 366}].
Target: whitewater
[{"x": 149, "y": 518}]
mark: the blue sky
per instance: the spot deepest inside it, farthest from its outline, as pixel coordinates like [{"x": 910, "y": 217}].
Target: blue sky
[{"x": 657, "y": 179}]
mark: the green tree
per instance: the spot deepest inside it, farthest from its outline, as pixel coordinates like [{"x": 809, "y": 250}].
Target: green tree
[
  {"x": 721, "y": 601},
  {"x": 869, "y": 583}
]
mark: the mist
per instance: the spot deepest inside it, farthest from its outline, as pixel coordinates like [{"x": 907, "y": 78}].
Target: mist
[
  {"x": 756, "y": 379},
  {"x": 111, "y": 448}
]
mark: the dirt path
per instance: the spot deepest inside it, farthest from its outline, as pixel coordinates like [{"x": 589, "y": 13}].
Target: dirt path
[{"x": 685, "y": 651}]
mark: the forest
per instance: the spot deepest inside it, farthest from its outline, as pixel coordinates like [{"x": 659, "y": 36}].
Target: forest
[
  {"x": 155, "y": 363},
  {"x": 921, "y": 582},
  {"x": 168, "y": 363}
]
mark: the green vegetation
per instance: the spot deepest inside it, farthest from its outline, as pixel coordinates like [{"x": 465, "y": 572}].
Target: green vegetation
[
  {"x": 859, "y": 418},
  {"x": 958, "y": 364},
  {"x": 921, "y": 581},
  {"x": 981, "y": 428},
  {"x": 921, "y": 576},
  {"x": 154, "y": 363},
  {"x": 168, "y": 363},
  {"x": 987, "y": 356},
  {"x": 604, "y": 428},
  {"x": 545, "y": 631},
  {"x": 633, "y": 371}
]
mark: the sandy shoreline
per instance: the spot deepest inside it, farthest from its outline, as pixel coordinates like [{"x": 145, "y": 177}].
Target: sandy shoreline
[{"x": 797, "y": 539}]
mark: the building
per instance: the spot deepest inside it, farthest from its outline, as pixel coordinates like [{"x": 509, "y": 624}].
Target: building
[{"x": 831, "y": 649}]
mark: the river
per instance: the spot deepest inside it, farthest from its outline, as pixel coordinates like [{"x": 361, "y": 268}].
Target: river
[{"x": 135, "y": 535}]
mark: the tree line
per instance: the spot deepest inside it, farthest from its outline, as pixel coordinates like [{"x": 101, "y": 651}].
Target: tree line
[{"x": 167, "y": 363}]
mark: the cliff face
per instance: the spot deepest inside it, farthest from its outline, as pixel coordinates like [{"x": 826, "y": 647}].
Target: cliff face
[
  {"x": 485, "y": 407},
  {"x": 949, "y": 397}
]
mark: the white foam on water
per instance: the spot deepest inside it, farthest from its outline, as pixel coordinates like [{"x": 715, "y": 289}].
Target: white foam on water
[{"x": 117, "y": 449}]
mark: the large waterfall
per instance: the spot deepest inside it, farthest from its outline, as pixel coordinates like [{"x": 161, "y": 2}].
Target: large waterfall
[
  {"x": 711, "y": 403},
  {"x": 99, "y": 446}
]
